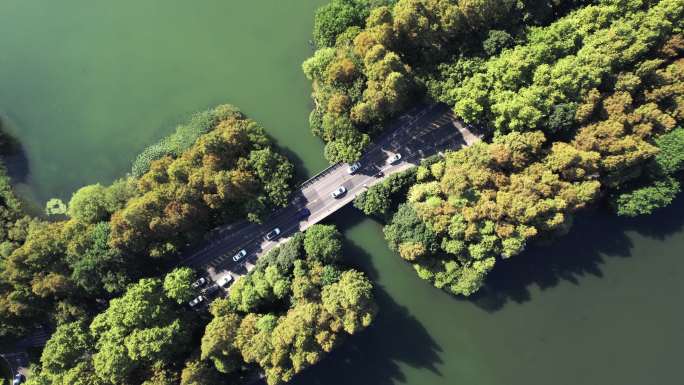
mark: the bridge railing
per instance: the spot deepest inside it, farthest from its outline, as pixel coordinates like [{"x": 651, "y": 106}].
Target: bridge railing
[{"x": 318, "y": 176}]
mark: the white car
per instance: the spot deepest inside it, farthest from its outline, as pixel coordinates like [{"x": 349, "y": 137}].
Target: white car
[
  {"x": 225, "y": 281},
  {"x": 394, "y": 158},
  {"x": 273, "y": 234},
  {"x": 354, "y": 167},
  {"x": 196, "y": 301},
  {"x": 338, "y": 192},
  {"x": 199, "y": 283},
  {"x": 240, "y": 254}
]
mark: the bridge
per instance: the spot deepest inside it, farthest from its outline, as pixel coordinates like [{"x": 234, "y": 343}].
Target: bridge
[{"x": 416, "y": 135}]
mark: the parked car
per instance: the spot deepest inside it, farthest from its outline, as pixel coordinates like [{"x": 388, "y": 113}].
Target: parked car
[
  {"x": 338, "y": 192},
  {"x": 394, "y": 158},
  {"x": 199, "y": 283},
  {"x": 273, "y": 234},
  {"x": 18, "y": 379},
  {"x": 240, "y": 254},
  {"x": 195, "y": 302},
  {"x": 225, "y": 281},
  {"x": 209, "y": 290},
  {"x": 354, "y": 167}
]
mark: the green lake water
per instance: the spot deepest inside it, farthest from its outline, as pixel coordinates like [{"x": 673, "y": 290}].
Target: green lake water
[{"x": 86, "y": 85}]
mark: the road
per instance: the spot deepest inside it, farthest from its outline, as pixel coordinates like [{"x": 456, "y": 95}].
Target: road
[{"x": 416, "y": 135}]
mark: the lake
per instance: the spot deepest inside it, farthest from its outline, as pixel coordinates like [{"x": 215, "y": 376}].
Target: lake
[{"x": 86, "y": 85}]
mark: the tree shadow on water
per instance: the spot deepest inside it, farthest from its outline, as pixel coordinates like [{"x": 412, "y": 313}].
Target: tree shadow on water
[
  {"x": 13, "y": 153},
  {"x": 374, "y": 355},
  {"x": 395, "y": 338},
  {"x": 594, "y": 238}
]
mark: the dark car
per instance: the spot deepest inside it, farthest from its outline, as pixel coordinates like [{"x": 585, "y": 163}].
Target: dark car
[
  {"x": 209, "y": 290},
  {"x": 303, "y": 213}
]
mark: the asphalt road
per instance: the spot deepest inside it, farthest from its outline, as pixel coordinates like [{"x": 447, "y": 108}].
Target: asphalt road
[{"x": 416, "y": 135}]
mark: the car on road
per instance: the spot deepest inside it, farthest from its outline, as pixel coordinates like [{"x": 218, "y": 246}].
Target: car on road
[
  {"x": 273, "y": 234},
  {"x": 394, "y": 158},
  {"x": 209, "y": 290},
  {"x": 303, "y": 213},
  {"x": 224, "y": 282},
  {"x": 338, "y": 192},
  {"x": 199, "y": 283},
  {"x": 18, "y": 379},
  {"x": 195, "y": 302},
  {"x": 240, "y": 254},
  {"x": 354, "y": 167}
]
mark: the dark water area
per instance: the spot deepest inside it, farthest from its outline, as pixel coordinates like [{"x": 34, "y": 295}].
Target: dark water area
[{"x": 600, "y": 305}]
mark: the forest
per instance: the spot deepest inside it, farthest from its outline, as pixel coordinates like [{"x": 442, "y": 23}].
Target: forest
[
  {"x": 101, "y": 276},
  {"x": 285, "y": 315},
  {"x": 580, "y": 104}
]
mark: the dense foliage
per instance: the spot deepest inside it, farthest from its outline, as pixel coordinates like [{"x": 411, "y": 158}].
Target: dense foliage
[
  {"x": 375, "y": 57},
  {"x": 290, "y": 311},
  {"x": 583, "y": 108},
  {"x": 185, "y": 136},
  {"x": 58, "y": 272},
  {"x": 229, "y": 173},
  {"x": 139, "y": 338},
  {"x": 14, "y": 225},
  {"x": 85, "y": 275}
]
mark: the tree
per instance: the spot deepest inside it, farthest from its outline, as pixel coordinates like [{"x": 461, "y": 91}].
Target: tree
[
  {"x": 198, "y": 372},
  {"x": 65, "y": 348},
  {"x": 405, "y": 226},
  {"x": 218, "y": 343},
  {"x": 96, "y": 267},
  {"x": 670, "y": 158},
  {"x": 137, "y": 329},
  {"x": 496, "y": 42},
  {"x": 334, "y": 18},
  {"x": 88, "y": 204},
  {"x": 177, "y": 284},
  {"x": 259, "y": 289},
  {"x": 350, "y": 301},
  {"x": 322, "y": 243},
  {"x": 647, "y": 199}
]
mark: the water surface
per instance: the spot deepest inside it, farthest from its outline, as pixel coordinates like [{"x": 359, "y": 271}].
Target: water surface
[
  {"x": 88, "y": 84},
  {"x": 602, "y": 305}
]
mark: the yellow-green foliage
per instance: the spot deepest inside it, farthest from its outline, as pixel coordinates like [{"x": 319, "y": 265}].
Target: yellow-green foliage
[
  {"x": 285, "y": 317},
  {"x": 229, "y": 173},
  {"x": 490, "y": 200}
]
